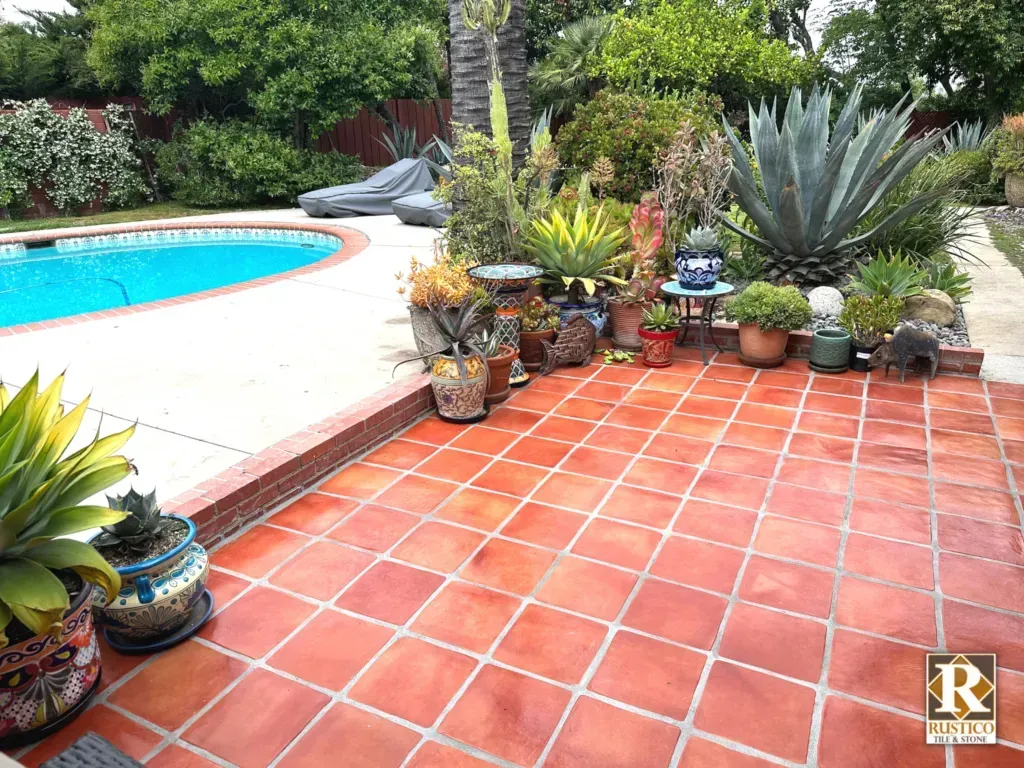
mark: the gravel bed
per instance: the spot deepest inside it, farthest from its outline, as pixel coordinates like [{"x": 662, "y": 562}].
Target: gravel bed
[{"x": 954, "y": 336}]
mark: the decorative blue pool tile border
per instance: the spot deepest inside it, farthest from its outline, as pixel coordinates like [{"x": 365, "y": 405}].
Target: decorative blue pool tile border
[{"x": 213, "y": 234}]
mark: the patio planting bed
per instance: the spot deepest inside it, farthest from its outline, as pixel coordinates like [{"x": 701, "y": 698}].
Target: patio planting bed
[{"x": 619, "y": 567}]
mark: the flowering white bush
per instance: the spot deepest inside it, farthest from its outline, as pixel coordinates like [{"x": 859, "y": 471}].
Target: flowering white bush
[{"x": 67, "y": 158}]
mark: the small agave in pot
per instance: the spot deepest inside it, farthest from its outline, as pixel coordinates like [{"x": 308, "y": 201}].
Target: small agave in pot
[{"x": 143, "y": 523}]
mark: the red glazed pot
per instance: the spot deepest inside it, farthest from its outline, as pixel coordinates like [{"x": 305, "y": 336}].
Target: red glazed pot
[{"x": 658, "y": 347}]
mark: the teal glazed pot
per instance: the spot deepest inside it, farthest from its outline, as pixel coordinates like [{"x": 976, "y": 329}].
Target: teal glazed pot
[
  {"x": 830, "y": 349},
  {"x": 157, "y": 595}
]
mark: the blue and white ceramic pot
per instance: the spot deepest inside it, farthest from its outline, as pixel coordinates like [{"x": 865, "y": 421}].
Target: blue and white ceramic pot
[
  {"x": 699, "y": 269},
  {"x": 592, "y": 308},
  {"x": 157, "y": 596}
]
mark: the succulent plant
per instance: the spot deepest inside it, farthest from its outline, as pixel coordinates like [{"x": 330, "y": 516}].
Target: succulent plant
[
  {"x": 966, "y": 137},
  {"x": 489, "y": 342},
  {"x": 951, "y": 281},
  {"x": 143, "y": 523},
  {"x": 868, "y": 318},
  {"x": 893, "y": 276},
  {"x": 648, "y": 228},
  {"x": 537, "y": 315},
  {"x": 459, "y": 328},
  {"x": 660, "y": 317},
  {"x": 819, "y": 188},
  {"x": 701, "y": 239}
]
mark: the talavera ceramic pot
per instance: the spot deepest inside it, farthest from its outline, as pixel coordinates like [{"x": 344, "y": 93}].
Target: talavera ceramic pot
[
  {"x": 699, "y": 269},
  {"x": 456, "y": 401}
]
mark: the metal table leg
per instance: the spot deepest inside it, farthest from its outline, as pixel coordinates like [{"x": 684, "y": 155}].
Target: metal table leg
[
  {"x": 700, "y": 330},
  {"x": 686, "y": 326},
  {"x": 711, "y": 324}
]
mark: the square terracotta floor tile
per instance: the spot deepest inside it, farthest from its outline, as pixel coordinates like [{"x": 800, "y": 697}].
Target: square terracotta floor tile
[
  {"x": 774, "y": 641},
  {"x": 887, "y": 411},
  {"x": 960, "y": 421},
  {"x": 658, "y": 475},
  {"x": 893, "y": 561},
  {"x": 955, "y": 401},
  {"x": 619, "y": 439},
  {"x": 116, "y": 665},
  {"x": 728, "y": 373},
  {"x": 536, "y": 400},
  {"x": 438, "y": 547},
  {"x": 413, "y": 680},
  {"x": 838, "y": 404},
  {"x": 513, "y": 479},
  {"x": 1004, "y": 389},
  {"x": 783, "y": 379},
  {"x": 513, "y": 419},
  {"x": 361, "y": 481},
  {"x": 700, "y": 753},
  {"x": 811, "y": 446},
  {"x": 508, "y": 566},
  {"x": 982, "y": 539},
  {"x": 653, "y": 398},
  {"x": 796, "y": 588},
  {"x": 313, "y": 513},
  {"x": 478, "y": 509},
  {"x": 638, "y": 505},
  {"x": 484, "y": 440},
  {"x": 210, "y": 672},
  {"x": 257, "y": 621},
  {"x": 416, "y": 494},
  {"x": 435, "y": 755},
  {"x": 465, "y": 615},
  {"x": 901, "y": 687},
  {"x": 967, "y": 626},
  {"x": 596, "y": 463},
  {"x": 698, "y": 564},
  {"x": 735, "y": 490},
  {"x": 257, "y": 551},
  {"x": 911, "y": 461},
  {"x": 891, "y": 433},
  {"x": 766, "y": 415},
  {"x": 400, "y": 454},
  {"x": 896, "y": 393},
  {"x": 649, "y": 674},
  {"x": 131, "y": 738},
  {"x": 272, "y": 706},
  {"x": 573, "y": 491},
  {"x": 1006, "y": 407},
  {"x": 694, "y": 426},
  {"x": 778, "y": 396},
  {"x": 581, "y": 408},
  {"x": 822, "y": 475},
  {"x": 1014, "y": 451},
  {"x": 454, "y": 465},
  {"x": 321, "y": 570},
  {"x": 554, "y": 382},
  {"x": 543, "y": 525},
  {"x": 960, "y": 469},
  {"x": 318, "y": 655},
  {"x": 507, "y": 714},
  {"x": 678, "y": 448},
  {"x": 374, "y": 528},
  {"x": 1010, "y": 706},
  {"x": 600, "y": 734},
  {"x": 827, "y": 424},
  {"x": 586, "y": 587},
  {"x": 717, "y": 522},
  {"x": 639, "y": 418},
  {"x": 668, "y": 382},
  {"x": 390, "y": 592},
  {"x": 885, "y": 610},
  {"x": 433, "y": 431},
  {"x": 753, "y": 436},
  {"x": 617, "y": 543},
  {"x": 744, "y": 461},
  {"x": 995, "y": 584},
  {"x": 600, "y": 390},
  {"x": 552, "y": 644},
  {"x": 848, "y": 387},
  {"x": 676, "y": 613},
  {"x": 174, "y": 756},
  {"x": 710, "y": 407},
  {"x": 981, "y": 503},
  {"x": 965, "y": 444},
  {"x": 559, "y": 428},
  {"x": 758, "y": 710},
  {"x": 896, "y": 740},
  {"x": 895, "y": 522},
  {"x": 537, "y": 450},
  {"x": 368, "y": 741},
  {"x": 808, "y": 542},
  {"x": 899, "y": 489},
  {"x": 617, "y": 374},
  {"x": 723, "y": 389},
  {"x": 807, "y": 504}
]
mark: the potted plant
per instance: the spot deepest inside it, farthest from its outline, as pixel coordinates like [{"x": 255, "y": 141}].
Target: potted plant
[
  {"x": 459, "y": 374},
  {"x": 576, "y": 256},
  {"x": 830, "y": 350},
  {"x": 1008, "y": 157},
  {"x": 693, "y": 182},
  {"x": 49, "y": 658},
  {"x": 626, "y": 308},
  {"x": 538, "y": 322},
  {"x": 163, "y": 598},
  {"x": 766, "y": 314},
  {"x": 499, "y": 364},
  {"x": 658, "y": 330},
  {"x": 867, "y": 319}
]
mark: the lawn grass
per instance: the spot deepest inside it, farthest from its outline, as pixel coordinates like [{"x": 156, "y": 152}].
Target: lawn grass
[
  {"x": 167, "y": 210},
  {"x": 1009, "y": 240}
]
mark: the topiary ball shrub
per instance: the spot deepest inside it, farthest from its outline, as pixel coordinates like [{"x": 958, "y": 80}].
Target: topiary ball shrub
[{"x": 770, "y": 307}]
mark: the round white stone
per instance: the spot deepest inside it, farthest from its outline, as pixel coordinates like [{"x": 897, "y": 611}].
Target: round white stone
[{"x": 825, "y": 301}]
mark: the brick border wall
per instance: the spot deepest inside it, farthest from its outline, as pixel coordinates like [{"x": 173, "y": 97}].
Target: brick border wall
[{"x": 353, "y": 242}]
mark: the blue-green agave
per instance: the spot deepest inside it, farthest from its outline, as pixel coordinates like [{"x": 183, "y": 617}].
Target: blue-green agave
[{"x": 813, "y": 189}]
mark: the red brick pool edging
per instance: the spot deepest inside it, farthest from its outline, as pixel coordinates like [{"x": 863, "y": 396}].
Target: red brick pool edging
[{"x": 353, "y": 243}]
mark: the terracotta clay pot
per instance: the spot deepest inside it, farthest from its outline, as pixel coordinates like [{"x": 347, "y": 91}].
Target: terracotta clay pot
[
  {"x": 531, "y": 353},
  {"x": 657, "y": 346},
  {"x": 626, "y": 317},
  {"x": 500, "y": 367},
  {"x": 762, "y": 349}
]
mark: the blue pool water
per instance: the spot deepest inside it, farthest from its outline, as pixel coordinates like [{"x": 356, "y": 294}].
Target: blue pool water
[{"x": 92, "y": 273}]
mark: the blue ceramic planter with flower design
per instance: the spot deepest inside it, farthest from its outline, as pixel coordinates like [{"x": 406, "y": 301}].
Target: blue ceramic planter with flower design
[
  {"x": 592, "y": 308},
  {"x": 157, "y": 595},
  {"x": 699, "y": 269}
]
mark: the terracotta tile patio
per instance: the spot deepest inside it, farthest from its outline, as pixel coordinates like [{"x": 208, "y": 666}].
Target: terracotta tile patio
[{"x": 698, "y": 567}]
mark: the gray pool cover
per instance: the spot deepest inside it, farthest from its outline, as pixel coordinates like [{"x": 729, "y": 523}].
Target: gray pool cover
[{"x": 372, "y": 197}]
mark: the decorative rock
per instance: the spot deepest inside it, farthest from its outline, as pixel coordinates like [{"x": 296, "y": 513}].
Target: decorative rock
[
  {"x": 825, "y": 301},
  {"x": 931, "y": 306}
]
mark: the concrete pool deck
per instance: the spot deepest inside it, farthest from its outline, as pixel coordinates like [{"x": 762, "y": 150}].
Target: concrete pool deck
[{"x": 214, "y": 381}]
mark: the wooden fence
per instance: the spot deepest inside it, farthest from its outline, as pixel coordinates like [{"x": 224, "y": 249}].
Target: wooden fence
[{"x": 362, "y": 135}]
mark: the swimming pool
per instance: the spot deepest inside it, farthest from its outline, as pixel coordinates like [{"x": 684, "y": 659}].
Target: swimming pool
[{"x": 87, "y": 274}]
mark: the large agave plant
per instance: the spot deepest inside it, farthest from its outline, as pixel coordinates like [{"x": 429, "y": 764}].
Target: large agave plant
[
  {"x": 818, "y": 187},
  {"x": 966, "y": 137},
  {"x": 459, "y": 327},
  {"x": 41, "y": 495}
]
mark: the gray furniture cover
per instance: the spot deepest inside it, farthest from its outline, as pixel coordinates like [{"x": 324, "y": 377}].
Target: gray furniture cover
[
  {"x": 421, "y": 209},
  {"x": 372, "y": 197}
]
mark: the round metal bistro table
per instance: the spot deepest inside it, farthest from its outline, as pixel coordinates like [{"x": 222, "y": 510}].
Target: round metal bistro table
[
  {"x": 707, "y": 297},
  {"x": 508, "y": 283}
]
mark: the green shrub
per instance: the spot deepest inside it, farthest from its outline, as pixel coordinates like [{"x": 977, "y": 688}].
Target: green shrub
[
  {"x": 1008, "y": 146},
  {"x": 974, "y": 170},
  {"x": 770, "y": 306},
  {"x": 868, "y": 318},
  {"x": 631, "y": 129},
  {"x": 327, "y": 169}
]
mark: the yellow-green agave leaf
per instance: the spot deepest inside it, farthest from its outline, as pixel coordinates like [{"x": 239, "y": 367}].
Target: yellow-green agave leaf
[
  {"x": 33, "y": 594},
  {"x": 80, "y": 557}
]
